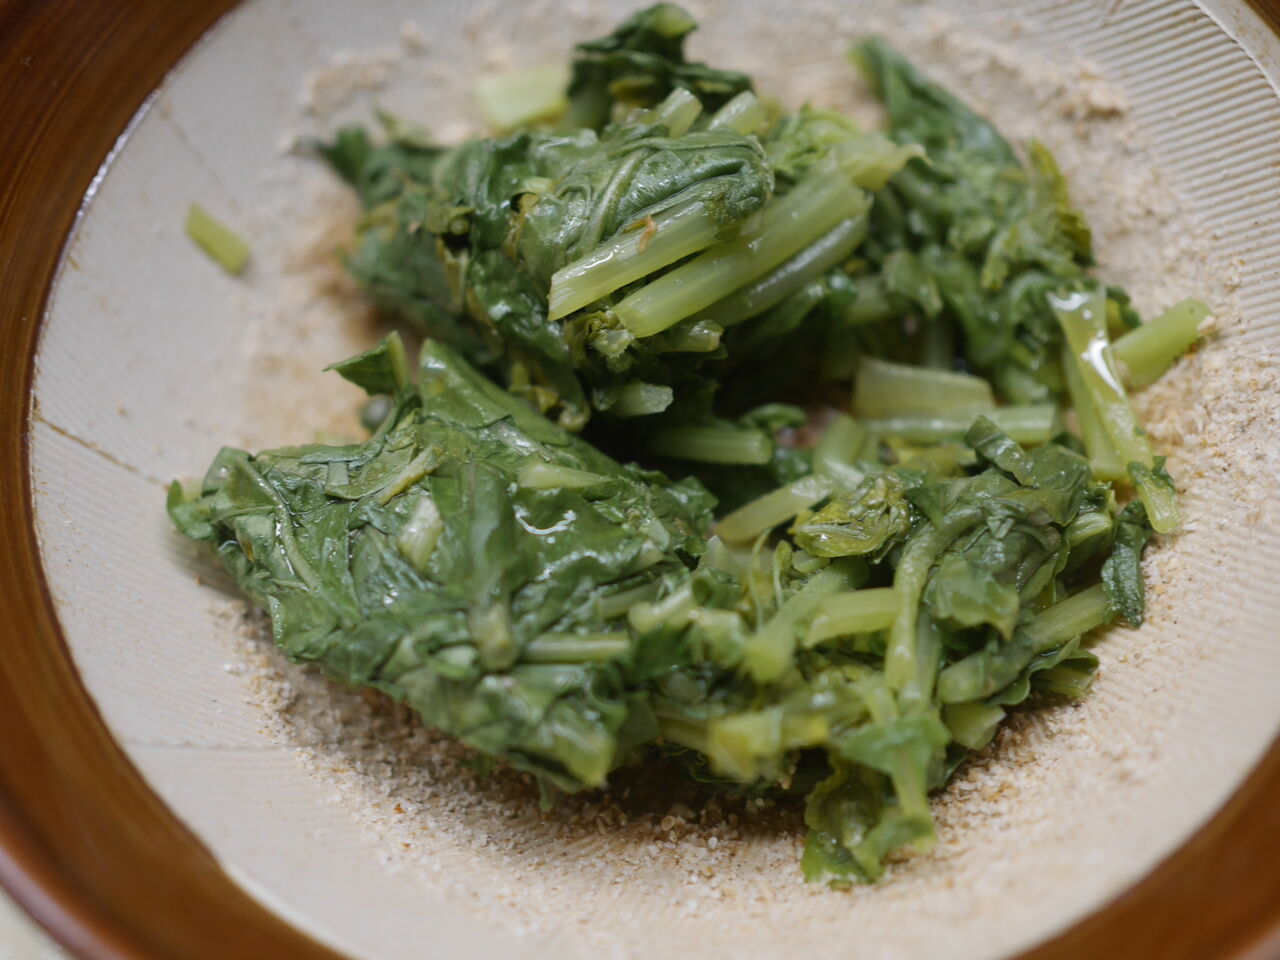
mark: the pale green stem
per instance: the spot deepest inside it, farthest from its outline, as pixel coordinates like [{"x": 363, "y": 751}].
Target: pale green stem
[
  {"x": 630, "y": 254},
  {"x": 770, "y": 649},
  {"x": 806, "y": 266},
  {"x": 515, "y": 99},
  {"x": 909, "y": 581},
  {"x": 787, "y": 225},
  {"x": 1069, "y": 618},
  {"x": 859, "y": 611},
  {"x": 415, "y": 470},
  {"x": 775, "y": 507},
  {"x": 576, "y": 647},
  {"x": 672, "y": 611},
  {"x": 1103, "y": 459},
  {"x": 886, "y": 389},
  {"x": 1147, "y": 351},
  {"x": 836, "y": 454},
  {"x": 540, "y": 475},
  {"x": 713, "y": 445},
  {"x": 677, "y": 112},
  {"x": 641, "y": 400},
  {"x": 1083, "y": 319},
  {"x": 972, "y": 725},
  {"x": 701, "y": 336},
  {"x": 1031, "y": 424},
  {"x": 684, "y": 731},
  {"x": 217, "y": 240},
  {"x": 1086, "y": 526},
  {"x": 619, "y": 603},
  {"x": 744, "y": 114},
  {"x": 417, "y": 539},
  {"x": 983, "y": 673}
]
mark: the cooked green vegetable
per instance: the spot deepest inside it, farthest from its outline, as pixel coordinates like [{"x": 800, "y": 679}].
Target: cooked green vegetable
[
  {"x": 1033, "y": 423},
  {"x": 671, "y": 271},
  {"x": 639, "y": 64},
  {"x": 217, "y": 240},
  {"x": 1083, "y": 318},
  {"x": 899, "y": 389},
  {"x": 973, "y": 230},
  {"x": 468, "y": 242},
  {"x": 511, "y": 100},
  {"x": 458, "y": 560},
  {"x": 1146, "y": 351}
]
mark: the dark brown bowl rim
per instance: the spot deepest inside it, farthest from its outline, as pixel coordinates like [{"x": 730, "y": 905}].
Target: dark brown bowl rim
[{"x": 85, "y": 845}]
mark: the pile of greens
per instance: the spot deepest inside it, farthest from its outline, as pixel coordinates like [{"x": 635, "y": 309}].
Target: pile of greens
[{"x": 856, "y": 351}]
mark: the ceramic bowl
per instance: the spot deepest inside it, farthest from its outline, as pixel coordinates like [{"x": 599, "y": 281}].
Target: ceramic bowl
[{"x": 168, "y": 789}]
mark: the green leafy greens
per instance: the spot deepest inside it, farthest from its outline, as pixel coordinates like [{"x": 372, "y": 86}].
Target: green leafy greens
[{"x": 841, "y": 590}]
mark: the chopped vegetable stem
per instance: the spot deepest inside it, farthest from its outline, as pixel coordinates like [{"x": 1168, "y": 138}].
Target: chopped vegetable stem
[
  {"x": 1103, "y": 458},
  {"x": 861, "y": 611},
  {"x": 541, "y": 475},
  {"x": 744, "y": 114},
  {"x": 1146, "y": 352},
  {"x": 769, "y": 651},
  {"x": 641, "y": 400},
  {"x": 616, "y": 604},
  {"x": 1083, "y": 319},
  {"x": 670, "y": 611},
  {"x": 219, "y": 241},
  {"x": 836, "y": 454},
  {"x": 982, "y": 674},
  {"x": 1088, "y": 525},
  {"x": 417, "y": 538},
  {"x": 677, "y": 112},
  {"x": 712, "y": 445},
  {"x": 1068, "y": 618},
  {"x": 787, "y": 225},
  {"x": 793, "y": 275},
  {"x": 775, "y": 507},
  {"x": 576, "y": 647},
  {"x": 887, "y": 390},
  {"x": 632, "y": 254},
  {"x": 972, "y": 725},
  {"x": 515, "y": 99},
  {"x": 1066, "y": 682},
  {"x": 1030, "y": 424},
  {"x": 909, "y": 582},
  {"x": 684, "y": 731}
]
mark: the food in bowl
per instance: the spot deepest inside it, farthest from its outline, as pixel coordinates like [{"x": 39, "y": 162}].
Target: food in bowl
[{"x": 792, "y": 451}]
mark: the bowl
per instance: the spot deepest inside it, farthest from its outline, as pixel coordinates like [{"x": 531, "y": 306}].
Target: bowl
[{"x": 170, "y": 787}]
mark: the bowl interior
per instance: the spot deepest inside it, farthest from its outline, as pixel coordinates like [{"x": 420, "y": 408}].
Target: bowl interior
[{"x": 375, "y": 835}]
